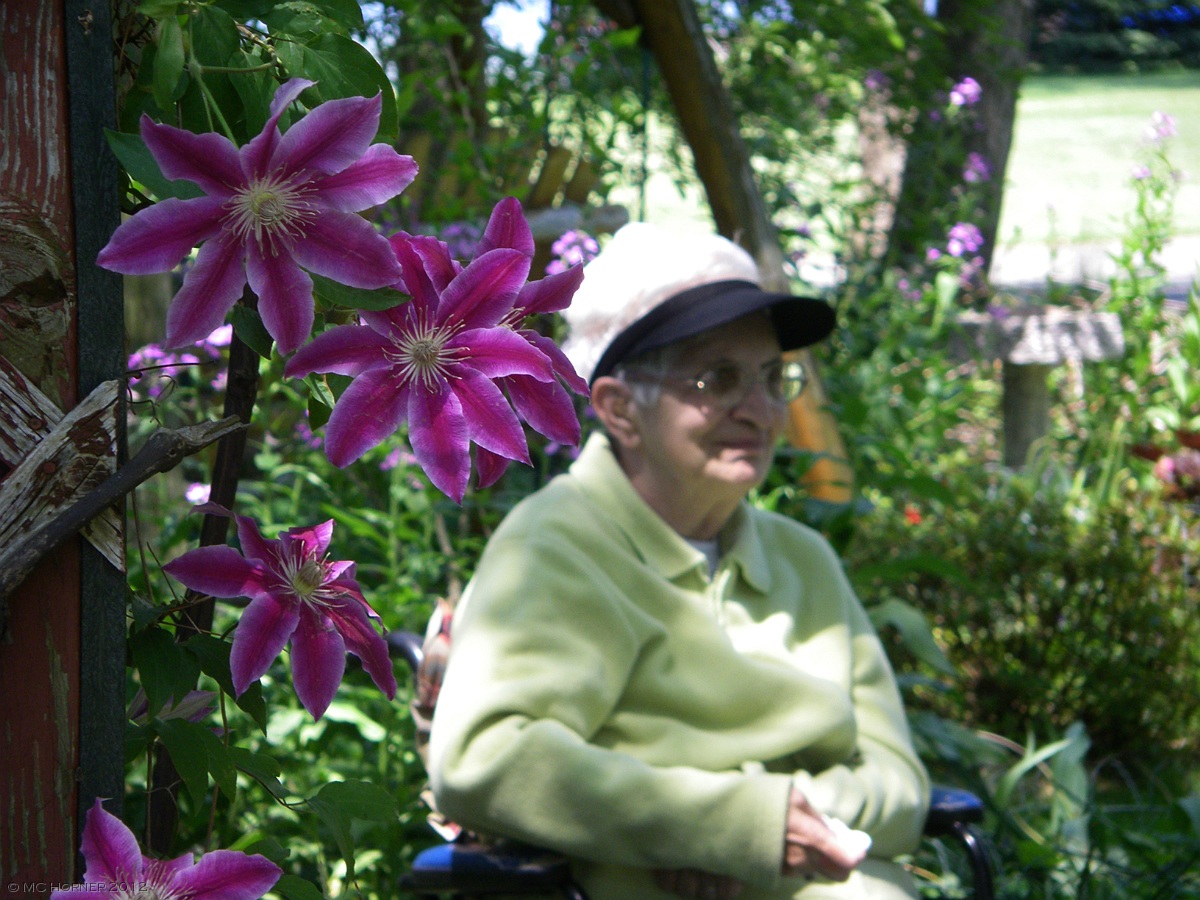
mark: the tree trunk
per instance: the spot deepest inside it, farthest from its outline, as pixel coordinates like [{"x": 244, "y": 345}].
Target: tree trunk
[{"x": 987, "y": 40}]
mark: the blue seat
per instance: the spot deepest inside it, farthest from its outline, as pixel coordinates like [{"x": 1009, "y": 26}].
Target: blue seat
[
  {"x": 470, "y": 869},
  {"x": 465, "y": 868}
]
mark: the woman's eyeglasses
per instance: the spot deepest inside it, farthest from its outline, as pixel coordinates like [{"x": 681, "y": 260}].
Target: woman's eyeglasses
[{"x": 726, "y": 384}]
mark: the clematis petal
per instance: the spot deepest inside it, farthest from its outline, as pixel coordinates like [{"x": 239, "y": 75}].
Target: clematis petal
[
  {"x": 377, "y": 177},
  {"x": 348, "y": 249},
  {"x": 489, "y": 467},
  {"x": 209, "y": 291},
  {"x": 558, "y": 361},
  {"x": 414, "y": 278},
  {"x": 350, "y": 618},
  {"x": 439, "y": 438},
  {"x": 219, "y": 572},
  {"x": 314, "y": 539},
  {"x": 484, "y": 292},
  {"x": 436, "y": 260},
  {"x": 210, "y": 159},
  {"x": 228, "y": 875},
  {"x": 344, "y": 350},
  {"x": 285, "y": 296},
  {"x": 498, "y": 352},
  {"x": 256, "y": 155},
  {"x": 254, "y": 545},
  {"x": 392, "y": 322},
  {"x": 491, "y": 422},
  {"x": 109, "y": 848},
  {"x": 318, "y": 662},
  {"x": 346, "y": 567},
  {"x": 507, "y": 227},
  {"x": 158, "y": 237},
  {"x": 164, "y": 871},
  {"x": 330, "y": 137},
  {"x": 262, "y": 633},
  {"x": 369, "y": 412},
  {"x": 546, "y": 406},
  {"x": 550, "y": 294}
]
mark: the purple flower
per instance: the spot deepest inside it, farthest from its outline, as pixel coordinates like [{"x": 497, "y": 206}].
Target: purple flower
[
  {"x": 966, "y": 93},
  {"x": 963, "y": 238},
  {"x": 197, "y": 493},
  {"x": 574, "y": 248},
  {"x": 876, "y": 81},
  {"x": 296, "y": 594},
  {"x": 195, "y": 707},
  {"x": 116, "y": 866},
  {"x": 279, "y": 205},
  {"x": 1162, "y": 127},
  {"x": 434, "y": 361},
  {"x": 976, "y": 168}
]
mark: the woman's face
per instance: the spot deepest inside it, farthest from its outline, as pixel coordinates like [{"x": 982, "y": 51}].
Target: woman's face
[{"x": 695, "y": 446}]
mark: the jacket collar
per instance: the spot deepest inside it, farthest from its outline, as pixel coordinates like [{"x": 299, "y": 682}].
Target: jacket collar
[{"x": 600, "y": 476}]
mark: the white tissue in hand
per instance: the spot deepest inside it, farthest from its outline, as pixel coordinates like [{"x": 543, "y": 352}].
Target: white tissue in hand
[{"x": 853, "y": 842}]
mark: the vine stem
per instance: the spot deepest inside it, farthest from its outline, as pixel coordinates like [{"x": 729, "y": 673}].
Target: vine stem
[{"x": 241, "y": 394}]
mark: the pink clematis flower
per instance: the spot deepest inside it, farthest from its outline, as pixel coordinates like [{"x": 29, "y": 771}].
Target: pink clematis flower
[
  {"x": 116, "y": 867},
  {"x": 281, "y": 204},
  {"x": 545, "y": 405},
  {"x": 439, "y": 362},
  {"x": 295, "y": 594}
]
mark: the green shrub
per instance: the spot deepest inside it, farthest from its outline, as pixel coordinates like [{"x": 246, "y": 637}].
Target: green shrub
[{"x": 1051, "y": 613}]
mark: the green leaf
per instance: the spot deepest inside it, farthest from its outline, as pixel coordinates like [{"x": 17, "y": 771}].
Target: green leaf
[
  {"x": 293, "y": 887},
  {"x": 166, "y": 669},
  {"x": 341, "y": 802},
  {"x": 1032, "y": 759},
  {"x": 342, "y": 68},
  {"x": 198, "y": 753},
  {"x": 168, "y": 62},
  {"x": 368, "y": 728},
  {"x": 299, "y": 17},
  {"x": 625, "y": 38},
  {"x": 133, "y": 154},
  {"x": 249, "y": 327},
  {"x": 318, "y": 412},
  {"x": 243, "y": 10},
  {"x": 213, "y": 654},
  {"x": 331, "y": 293},
  {"x": 912, "y": 626},
  {"x": 158, "y": 9},
  {"x": 262, "y": 768},
  {"x": 214, "y": 36},
  {"x": 344, "y": 12}
]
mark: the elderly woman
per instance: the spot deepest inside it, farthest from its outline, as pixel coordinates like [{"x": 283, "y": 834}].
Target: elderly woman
[{"x": 677, "y": 690}]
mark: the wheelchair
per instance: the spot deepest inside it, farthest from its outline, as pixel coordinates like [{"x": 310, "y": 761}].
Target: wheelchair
[{"x": 463, "y": 868}]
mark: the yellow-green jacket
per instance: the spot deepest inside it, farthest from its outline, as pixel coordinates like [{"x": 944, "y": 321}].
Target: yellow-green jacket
[{"x": 608, "y": 699}]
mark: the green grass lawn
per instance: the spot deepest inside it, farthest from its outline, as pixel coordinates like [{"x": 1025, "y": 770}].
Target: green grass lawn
[{"x": 1076, "y": 141}]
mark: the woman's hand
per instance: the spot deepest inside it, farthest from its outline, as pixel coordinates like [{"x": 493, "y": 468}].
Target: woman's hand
[
  {"x": 810, "y": 846},
  {"x": 693, "y": 884}
]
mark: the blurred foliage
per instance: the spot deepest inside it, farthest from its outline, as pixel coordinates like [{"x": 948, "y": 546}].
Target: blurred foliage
[
  {"x": 1116, "y": 35},
  {"x": 1048, "y": 608}
]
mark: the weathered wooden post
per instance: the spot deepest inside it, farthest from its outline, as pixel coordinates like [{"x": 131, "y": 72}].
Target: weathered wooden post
[
  {"x": 1029, "y": 342},
  {"x": 61, "y": 335}
]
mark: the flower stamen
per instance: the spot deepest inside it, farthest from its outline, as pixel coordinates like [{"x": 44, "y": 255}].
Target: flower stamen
[
  {"x": 272, "y": 210},
  {"x": 423, "y": 355}
]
